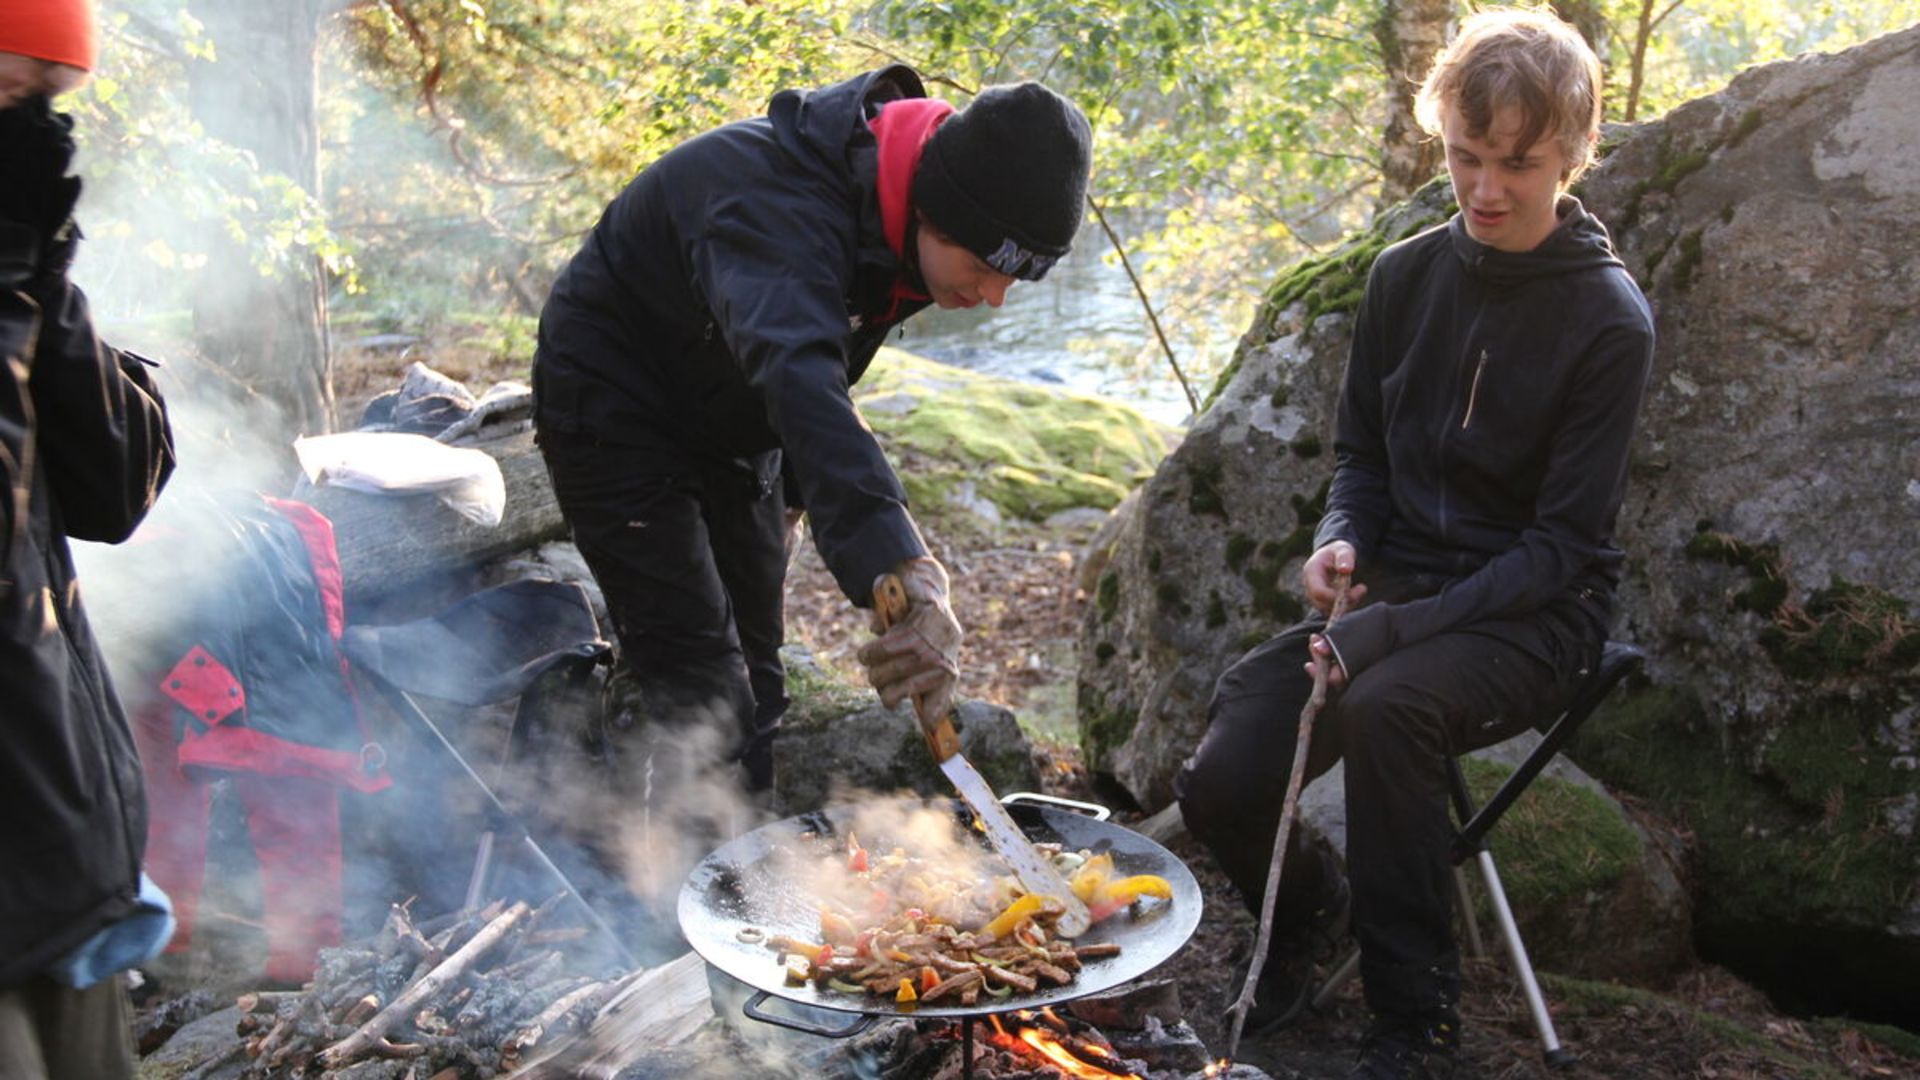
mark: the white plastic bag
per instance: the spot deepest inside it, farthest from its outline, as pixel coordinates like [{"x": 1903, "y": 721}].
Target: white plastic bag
[{"x": 394, "y": 463}]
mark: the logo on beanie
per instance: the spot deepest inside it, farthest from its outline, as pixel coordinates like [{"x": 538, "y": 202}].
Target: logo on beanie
[{"x": 1015, "y": 261}]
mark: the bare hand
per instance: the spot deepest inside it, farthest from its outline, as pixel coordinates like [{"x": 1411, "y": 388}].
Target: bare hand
[
  {"x": 1316, "y": 577},
  {"x": 1323, "y": 654}
]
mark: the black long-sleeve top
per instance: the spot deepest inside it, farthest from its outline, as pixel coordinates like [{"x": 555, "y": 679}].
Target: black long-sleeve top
[{"x": 1483, "y": 432}]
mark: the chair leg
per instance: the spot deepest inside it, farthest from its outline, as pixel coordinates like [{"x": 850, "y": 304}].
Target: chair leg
[
  {"x": 1556, "y": 1054},
  {"x": 1463, "y": 903}
]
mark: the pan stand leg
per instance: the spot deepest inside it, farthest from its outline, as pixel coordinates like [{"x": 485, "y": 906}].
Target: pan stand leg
[{"x": 966, "y": 1048}]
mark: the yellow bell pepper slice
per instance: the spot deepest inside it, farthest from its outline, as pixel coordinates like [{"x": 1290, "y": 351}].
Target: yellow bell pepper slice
[
  {"x": 795, "y": 945},
  {"x": 1090, "y": 876},
  {"x": 1018, "y": 912},
  {"x": 1116, "y": 895},
  {"x": 836, "y": 928},
  {"x": 1129, "y": 889},
  {"x": 906, "y": 995}
]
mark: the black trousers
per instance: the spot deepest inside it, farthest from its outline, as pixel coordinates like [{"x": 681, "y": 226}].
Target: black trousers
[
  {"x": 691, "y": 556},
  {"x": 1395, "y": 725}
]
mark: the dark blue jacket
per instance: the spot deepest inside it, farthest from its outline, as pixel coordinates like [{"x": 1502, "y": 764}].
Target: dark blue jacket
[
  {"x": 725, "y": 302},
  {"x": 1483, "y": 432}
]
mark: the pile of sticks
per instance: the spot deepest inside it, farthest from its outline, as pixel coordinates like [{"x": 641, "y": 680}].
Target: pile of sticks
[{"x": 472, "y": 993}]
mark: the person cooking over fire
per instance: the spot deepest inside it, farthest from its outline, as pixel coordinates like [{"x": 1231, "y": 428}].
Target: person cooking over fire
[
  {"x": 694, "y": 358},
  {"x": 84, "y": 451}
]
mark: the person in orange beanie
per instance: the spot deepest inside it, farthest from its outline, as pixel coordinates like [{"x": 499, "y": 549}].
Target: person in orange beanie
[
  {"x": 84, "y": 451},
  {"x": 46, "y": 48}
]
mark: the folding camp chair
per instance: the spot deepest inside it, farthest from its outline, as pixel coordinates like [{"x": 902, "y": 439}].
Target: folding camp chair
[{"x": 1617, "y": 661}]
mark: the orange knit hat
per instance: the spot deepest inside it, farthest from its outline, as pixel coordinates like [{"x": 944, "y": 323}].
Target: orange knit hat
[{"x": 56, "y": 30}]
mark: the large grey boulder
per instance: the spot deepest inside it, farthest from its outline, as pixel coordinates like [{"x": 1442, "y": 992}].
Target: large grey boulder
[{"x": 1769, "y": 522}]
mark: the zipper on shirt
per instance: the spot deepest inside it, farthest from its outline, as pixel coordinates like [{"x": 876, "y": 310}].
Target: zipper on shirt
[{"x": 1473, "y": 394}]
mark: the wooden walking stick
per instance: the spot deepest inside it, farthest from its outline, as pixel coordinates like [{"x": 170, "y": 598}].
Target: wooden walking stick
[{"x": 1289, "y": 810}]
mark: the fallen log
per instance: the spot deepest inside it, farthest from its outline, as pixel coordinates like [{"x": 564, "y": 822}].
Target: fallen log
[{"x": 423, "y": 990}]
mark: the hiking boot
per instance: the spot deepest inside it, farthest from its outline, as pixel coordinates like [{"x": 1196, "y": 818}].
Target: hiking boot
[
  {"x": 1286, "y": 979},
  {"x": 1398, "y": 1050}
]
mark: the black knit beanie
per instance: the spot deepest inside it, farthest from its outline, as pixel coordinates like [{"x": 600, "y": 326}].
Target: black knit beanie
[{"x": 1006, "y": 177}]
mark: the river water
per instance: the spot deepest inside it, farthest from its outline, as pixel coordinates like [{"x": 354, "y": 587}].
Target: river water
[{"x": 1081, "y": 328}]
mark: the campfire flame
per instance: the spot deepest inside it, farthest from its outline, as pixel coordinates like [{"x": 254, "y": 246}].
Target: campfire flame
[
  {"x": 1039, "y": 1035},
  {"x": 1218, "y": 1068}
]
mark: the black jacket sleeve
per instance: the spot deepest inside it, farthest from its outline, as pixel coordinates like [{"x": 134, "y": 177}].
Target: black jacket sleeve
[
  {"x": 17, "y": 319},
  {"x": 1579, "y": 500},
  {"x": 102, "y": 430},
  {"x": 773, "y": 279},
  {"x": 1358, "y": 502}
]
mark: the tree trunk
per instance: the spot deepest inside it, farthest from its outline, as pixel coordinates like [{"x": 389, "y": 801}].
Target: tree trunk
[
  {"x": 1642, "y": 35},
  {"x": 258, "y": 95},
  {"x": 1411, "y": 33}
]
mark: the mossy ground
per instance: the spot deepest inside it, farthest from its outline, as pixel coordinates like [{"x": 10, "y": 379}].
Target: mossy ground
[
  {"x": 1030, "y": 451},
  {"x": 1558, "y": 843}
]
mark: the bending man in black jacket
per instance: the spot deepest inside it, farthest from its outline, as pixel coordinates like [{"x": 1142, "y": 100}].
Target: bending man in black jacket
[
  {"x": 1497, "y": 368},
  {"x": 694, "y": 360},
  {"x": 84, "y": 450}
]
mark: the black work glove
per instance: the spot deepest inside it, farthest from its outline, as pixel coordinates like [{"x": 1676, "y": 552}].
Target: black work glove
[{"x": 36, "y": 194}]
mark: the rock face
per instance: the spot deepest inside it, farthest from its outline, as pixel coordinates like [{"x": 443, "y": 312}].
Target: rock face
[
  {"x": 839, "y": 742},
  {"x": 1769, "y": 521}
]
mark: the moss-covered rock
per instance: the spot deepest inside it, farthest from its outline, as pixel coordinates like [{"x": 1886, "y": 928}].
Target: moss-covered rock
[
  {"x": 1801, "y": 857},
  {"x": 838, "y": 741},
  {"x": 1002, "y": 448},
  {"x": 1558, "y": 844}
]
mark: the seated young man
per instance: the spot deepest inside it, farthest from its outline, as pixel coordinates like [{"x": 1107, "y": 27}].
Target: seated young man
[{"x": 1496, "y": 372}]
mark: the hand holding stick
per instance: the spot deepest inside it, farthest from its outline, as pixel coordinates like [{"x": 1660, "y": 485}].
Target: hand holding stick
[{"x": 1288, "y": 811}]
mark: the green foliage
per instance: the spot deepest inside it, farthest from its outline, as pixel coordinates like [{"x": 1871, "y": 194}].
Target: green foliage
[
  {"x": 1704, "y": 42},
  {"x": 467, "y": 144},
  {"x": 162, "y": 194}
]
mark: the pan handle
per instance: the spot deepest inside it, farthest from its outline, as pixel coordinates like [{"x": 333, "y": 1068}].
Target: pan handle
[
  {"x": 1092, "y": 810},
  {"x": 793, "y": 1023}
]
